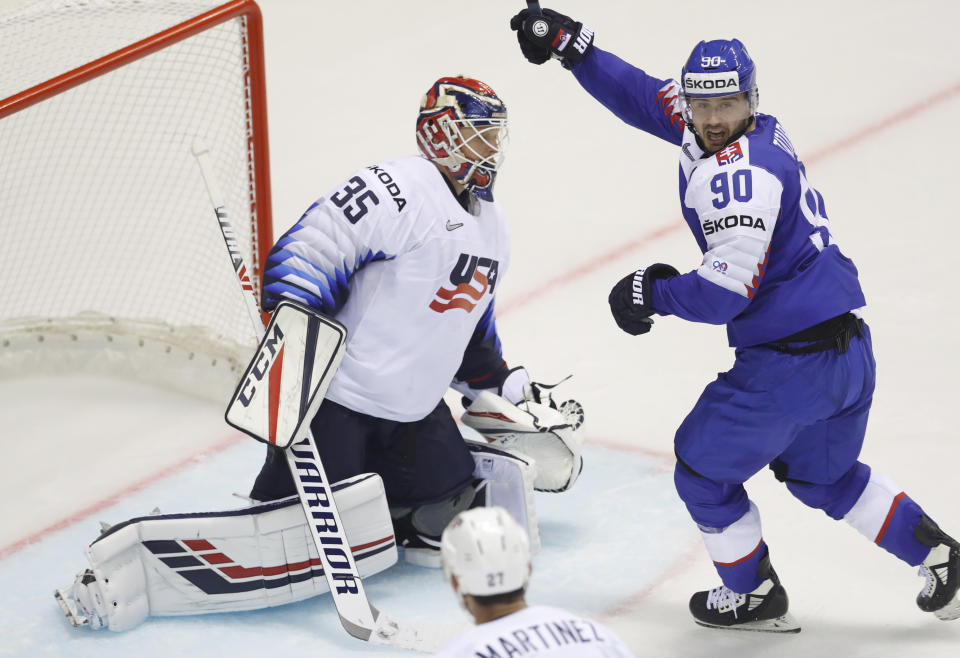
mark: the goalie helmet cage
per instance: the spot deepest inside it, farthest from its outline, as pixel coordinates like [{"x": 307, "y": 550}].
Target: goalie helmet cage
[{"x": 110, "y": 257}]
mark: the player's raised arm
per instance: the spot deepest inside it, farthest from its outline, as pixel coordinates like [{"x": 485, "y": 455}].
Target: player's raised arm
[{"x": 639, "y": 99}]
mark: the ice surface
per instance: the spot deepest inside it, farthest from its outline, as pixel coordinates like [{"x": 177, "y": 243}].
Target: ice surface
[{"x": 869, "y": 92}]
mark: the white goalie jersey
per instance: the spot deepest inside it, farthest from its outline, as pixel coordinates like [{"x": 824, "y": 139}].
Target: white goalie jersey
[{"x": 394, "y": 257}]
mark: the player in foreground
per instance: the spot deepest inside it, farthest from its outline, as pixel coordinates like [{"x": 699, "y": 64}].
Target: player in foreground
[
  {"x": 798, "y": 395},
  {"x": 486, "y": 559},
  {"x": 407, "y": 254}
]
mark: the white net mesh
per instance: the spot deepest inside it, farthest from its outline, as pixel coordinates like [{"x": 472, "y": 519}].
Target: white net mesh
[{"x": 105, "y": 225}]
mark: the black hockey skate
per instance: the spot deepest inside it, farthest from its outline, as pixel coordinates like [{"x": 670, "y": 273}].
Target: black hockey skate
[
  {"x": 764, "y": 609},
  {"x": 942, "y": 571}
]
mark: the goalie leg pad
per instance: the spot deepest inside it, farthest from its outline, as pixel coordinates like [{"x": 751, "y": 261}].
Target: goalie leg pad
[
  {"x": 500, "y": 478},
  {"x": 419, "y": 528},
  {"x": 245, "y": 559},
  {"x": 507, "y": 481}
]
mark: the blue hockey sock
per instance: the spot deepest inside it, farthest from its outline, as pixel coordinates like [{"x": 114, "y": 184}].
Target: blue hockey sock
[{"x": 897, "y": 536}]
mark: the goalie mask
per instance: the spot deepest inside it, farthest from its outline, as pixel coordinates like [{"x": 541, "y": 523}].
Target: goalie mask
[
  {"x": 462, "y": 128},
  {"x": 487, "y": 551}
]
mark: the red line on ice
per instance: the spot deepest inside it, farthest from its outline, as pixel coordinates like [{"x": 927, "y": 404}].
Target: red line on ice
[{"x": 119, "y": 495}]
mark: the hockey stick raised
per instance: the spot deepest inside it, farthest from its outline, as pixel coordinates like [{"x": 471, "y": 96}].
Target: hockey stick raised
[{"x": 357, "y": 615}]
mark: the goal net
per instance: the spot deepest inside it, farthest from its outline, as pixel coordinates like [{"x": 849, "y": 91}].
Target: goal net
[{"x": 111, "y": 259}]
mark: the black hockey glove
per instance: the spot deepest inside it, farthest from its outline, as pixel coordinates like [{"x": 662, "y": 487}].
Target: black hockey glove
[
  {"x": 551, "y": 34},
  {"x": 631, "y": 300}
]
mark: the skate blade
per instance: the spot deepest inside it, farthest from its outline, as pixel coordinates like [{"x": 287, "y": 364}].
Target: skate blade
[
  {"x": 785, "y": 624},
  {"x": 950, "y": 611},
  {"x": 69, "y": 612}
]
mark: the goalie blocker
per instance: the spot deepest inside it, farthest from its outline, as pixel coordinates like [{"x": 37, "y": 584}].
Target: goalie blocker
[{"x": 284, "y": 384}]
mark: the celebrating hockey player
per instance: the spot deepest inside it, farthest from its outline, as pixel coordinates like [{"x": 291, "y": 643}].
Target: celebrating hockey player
[
  {"x": 486, "y": 559},
  {"x": 407, "y": 254},
  {"x": 798, "y": 395}
]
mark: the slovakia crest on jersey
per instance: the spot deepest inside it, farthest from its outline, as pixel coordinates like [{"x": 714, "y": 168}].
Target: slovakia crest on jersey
[{"x": 730, "y": 154}]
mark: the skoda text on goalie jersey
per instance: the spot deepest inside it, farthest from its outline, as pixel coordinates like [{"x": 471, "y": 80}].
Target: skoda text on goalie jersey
[{"x": 317, "y": 494}]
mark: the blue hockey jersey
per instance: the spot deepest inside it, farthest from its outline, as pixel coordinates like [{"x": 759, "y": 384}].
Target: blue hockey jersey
[{"x": 770, "y": 267}]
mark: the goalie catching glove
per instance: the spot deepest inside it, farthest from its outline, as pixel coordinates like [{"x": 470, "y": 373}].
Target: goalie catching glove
[{"x": 535, "y": 427}]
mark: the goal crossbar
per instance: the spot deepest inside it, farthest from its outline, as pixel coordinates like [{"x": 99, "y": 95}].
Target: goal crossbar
[{"x": 249, "y": 174}]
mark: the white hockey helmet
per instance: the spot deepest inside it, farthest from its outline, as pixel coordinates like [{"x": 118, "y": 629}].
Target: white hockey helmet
[{"x": 487, "y": 551}]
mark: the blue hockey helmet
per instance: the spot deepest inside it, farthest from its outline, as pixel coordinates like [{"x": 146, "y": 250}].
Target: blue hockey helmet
[
  {"x": 719, "y": 68},
  {"x": 462, "y": 128}
]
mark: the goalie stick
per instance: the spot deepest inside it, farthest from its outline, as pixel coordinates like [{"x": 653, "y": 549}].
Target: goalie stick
[{"x": 357, "y": 615}]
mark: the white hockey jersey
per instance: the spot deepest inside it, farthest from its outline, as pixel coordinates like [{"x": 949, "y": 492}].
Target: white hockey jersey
[
  {"x": 392, "y": 255},
  {"x": 537, "y": 631}
]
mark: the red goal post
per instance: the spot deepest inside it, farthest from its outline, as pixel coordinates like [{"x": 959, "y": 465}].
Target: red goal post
[{"x": 110, "y": 256}]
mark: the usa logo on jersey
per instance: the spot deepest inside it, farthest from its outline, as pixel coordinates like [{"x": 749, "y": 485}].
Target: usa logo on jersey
[
  {"x": 730, "y": 154},
  {"x": 464, "y": 295}
]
